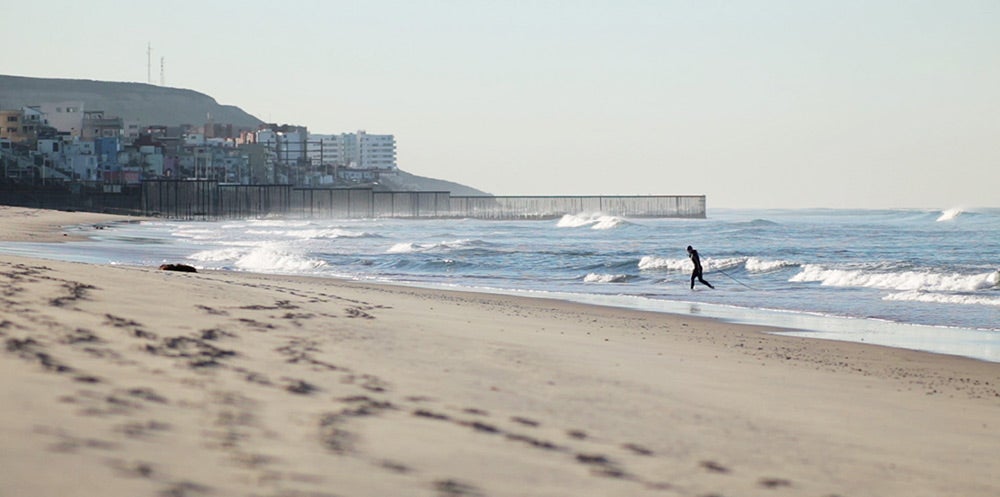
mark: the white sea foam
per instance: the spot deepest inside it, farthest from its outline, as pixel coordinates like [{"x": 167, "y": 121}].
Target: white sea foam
[
  {"x": 574, "y": 221},
  {"x": 404, "y": 248},
  {"x": 605, "y": 278},
  {"x": 710, "y": 264},
  {"x": 755, "y": 265},
  {"x": 410, "y": 247},
  {"x": 333, "y": 233},
  {"x": 265, "y": 258},
  {"x": 943, "y": 298},
  {"x": 281, "y": 223},
  {"x": 926, "y": 281},
  {"x": 194, "y": 233},
  {"x": 309, "y": 234},
  {"x": 528, "y": 257},
  {"x": 950, "y": 214},
  {"x": 218, "y": 255},
  {"x": 609, "y": 222},
  {"x": 651, "y": 263},
  {"x": 273, "y": 259},
  {"x": 259, "y": 232},
  {"x": 595, "y": 221}
]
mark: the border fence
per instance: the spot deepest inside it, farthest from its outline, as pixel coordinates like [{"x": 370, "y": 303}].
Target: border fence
[
  {"x": 111, "y": 199},
  {"x": 205, "y": 199},
  {"x": 691, "y": 206}
]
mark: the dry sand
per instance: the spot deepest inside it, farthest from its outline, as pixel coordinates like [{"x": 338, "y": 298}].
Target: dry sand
[{"x": 125, "y": 381}]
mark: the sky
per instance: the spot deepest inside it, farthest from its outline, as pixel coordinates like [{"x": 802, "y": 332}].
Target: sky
[{"x": 755, "y": 104}]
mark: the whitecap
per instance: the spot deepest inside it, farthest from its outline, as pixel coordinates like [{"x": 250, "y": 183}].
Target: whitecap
[
  {"x": 273, "y": 259},
  {"x": 410, "y": 247},
  {"x": 710, "y": 264},
  {"x": 573, "y": 221},
  {"x": 342, "y": 233},
  {"x": 266, "y": 232},
  {"x": 609, "y": 222},
  {"x": 605, "y": 278},
  {"x": 218, "y": 255},
  {"x": 755, "y": 265},
  {"x": 649, "y": 263},
  {"x": 902, "y": 281},
  {"x": 950, "y": 214},
  {"x": 194, "y": 233},
  {"x": 942, "y": 298},
  {"x": 595, "y": 221},
  {"x": 403, "y": 248},
  {"x": 280, "y": 223}
]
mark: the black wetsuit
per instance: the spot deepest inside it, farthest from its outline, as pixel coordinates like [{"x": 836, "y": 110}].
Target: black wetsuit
[{"x": 693, "y": 254}]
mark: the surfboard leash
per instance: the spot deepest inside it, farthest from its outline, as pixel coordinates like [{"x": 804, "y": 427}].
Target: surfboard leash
[{"x": 738, "y": 281}]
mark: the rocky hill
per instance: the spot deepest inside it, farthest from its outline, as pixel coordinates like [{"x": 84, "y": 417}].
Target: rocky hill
[
  {"x": 151, "y": 104},
  {"x": 148, "y": 104},
  {"x": 404, "y": 181}
]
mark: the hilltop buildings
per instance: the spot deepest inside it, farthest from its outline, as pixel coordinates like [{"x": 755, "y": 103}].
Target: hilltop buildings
[{"x": 63, "y": 141}]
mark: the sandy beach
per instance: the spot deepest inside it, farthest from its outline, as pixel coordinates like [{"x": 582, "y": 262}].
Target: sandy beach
[{"x": 130, "y": 381}]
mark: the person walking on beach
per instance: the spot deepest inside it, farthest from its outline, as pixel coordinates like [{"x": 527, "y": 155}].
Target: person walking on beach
[{"x": 693, "y": 254}]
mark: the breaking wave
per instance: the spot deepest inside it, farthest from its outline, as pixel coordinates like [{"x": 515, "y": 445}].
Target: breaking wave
[
  {"x": 218, "y": 255},
  {"x": 413, "y": 247},
  {"x": 651, "y": 263},
  {"x": 594, "y": 221},
  {"x": 925, "y": 281},
  {"x": 950, "y": 214},
  {"x": 606, "y": 278},
  {"x": 751, "y": 264},
  {"x": 267, "y": 259},
  {"x": 943, "y": 298},
  {"x": 755, "y": 265},
  {"x": 312, "y": 234}
]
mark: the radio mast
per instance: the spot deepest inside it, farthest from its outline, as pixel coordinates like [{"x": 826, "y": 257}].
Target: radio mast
[
  {"x": 162, "y": 78},
  {"x": 149, "y": 63}
]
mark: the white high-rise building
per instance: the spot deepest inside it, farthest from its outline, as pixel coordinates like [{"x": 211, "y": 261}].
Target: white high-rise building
[
  {"x": 375, "y": 151},
  {"x": 353, "y": 150},
  {"x": 326, "y": 150}
]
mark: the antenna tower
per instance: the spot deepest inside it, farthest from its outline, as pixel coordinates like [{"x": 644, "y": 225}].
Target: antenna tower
[
  {"x": 149, "y": 63},
  {"x": 163, "y": 81}
]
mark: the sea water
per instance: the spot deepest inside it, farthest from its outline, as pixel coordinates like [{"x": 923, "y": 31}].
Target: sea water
[{"x": 921, "y": 279}]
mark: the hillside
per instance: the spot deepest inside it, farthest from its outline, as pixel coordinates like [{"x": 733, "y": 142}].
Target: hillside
[
  {"x": 405, "y": 181},
  {"x": 148, "y": 104}
]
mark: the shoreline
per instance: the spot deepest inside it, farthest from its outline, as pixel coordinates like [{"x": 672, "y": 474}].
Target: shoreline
[
  {"x": 806, "y": 325},
  {"x": 23, "y": 224},
  {"x": 132, "y": 381},
  {"x": 976, "y": 343}
]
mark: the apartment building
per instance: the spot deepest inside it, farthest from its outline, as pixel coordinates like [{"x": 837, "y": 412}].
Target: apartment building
[
  {"x": 374, "y": 151},
  {"x": 96, "y": 125},
  {"x": 89, "y": 145},
  {"x": 65, "y": 116},
  {"x": 354, "y": 150},
  {"x": 69, "y": 156},
  {"x": 21, "y": 125}
]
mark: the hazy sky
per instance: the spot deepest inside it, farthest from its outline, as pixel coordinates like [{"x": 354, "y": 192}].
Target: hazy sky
[{"x": 753, "y": 103}]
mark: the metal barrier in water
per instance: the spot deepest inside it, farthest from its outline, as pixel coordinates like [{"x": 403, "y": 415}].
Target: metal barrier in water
[{"x": 200, "y": 199}]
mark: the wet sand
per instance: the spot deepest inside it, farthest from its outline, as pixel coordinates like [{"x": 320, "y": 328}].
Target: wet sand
[{"x": 126, "y": 381}]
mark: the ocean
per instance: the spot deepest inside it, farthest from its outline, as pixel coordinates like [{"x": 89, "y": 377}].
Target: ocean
[{"x": 919, "y": 279}]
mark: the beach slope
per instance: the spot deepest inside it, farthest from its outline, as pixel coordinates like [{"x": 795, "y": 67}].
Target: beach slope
[{"x": 125, "y": 381}]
